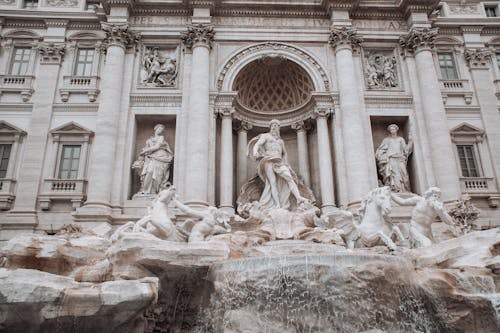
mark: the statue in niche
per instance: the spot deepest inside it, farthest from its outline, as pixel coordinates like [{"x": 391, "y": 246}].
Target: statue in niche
[
  {"x": 392, "y": 157},
  {"x": 153, "y": 164},
  {"x": 427, "y": 208},
  {"x": 381, "y": 71},
  {"x": 159, "y": 70},
  {"x": 276, "y": 184}
]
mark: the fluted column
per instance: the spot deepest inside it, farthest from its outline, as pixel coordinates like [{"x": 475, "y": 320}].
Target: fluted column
[
  {"x": 351, "y": 113},
  {"x": 30, "y": 171},
  {"x": 198, "y": 38},
  {"x": 226, "y": 160},
  {"x": 325, "y": 160},
  {"x": 302, "y": 150},
  {"x": 242, "y": 158},
  {"x": 420, "y": 42},
  {"x": 118, "y": 37}
]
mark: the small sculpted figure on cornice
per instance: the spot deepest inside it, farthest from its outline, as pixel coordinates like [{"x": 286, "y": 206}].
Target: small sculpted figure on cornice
[
  {"x": 51, "y": 53},
  {"x": 344, "y": 37},
  {"x": 478, "y": 58},
  {"x": 198, "y": 34},
  {"x": 119, "y": 34},
  {"x": 418, "y": 39}
]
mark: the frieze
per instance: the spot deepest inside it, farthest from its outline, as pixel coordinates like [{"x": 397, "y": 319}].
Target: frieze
[
  {"x": 62, "y": 3},
  {"x": 380, "y": 25},
  {"x": 242, "y": 21},
  {"x": 463, "y": 9},
  {"x": 158, "y": 20},
  {"x": 159, "y": 67},
  {"x": 381, "y": 70}
]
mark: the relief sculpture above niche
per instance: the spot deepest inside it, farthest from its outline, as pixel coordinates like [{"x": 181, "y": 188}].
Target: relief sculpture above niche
[
  {"x": 380, "y": 70},
  {"x": 159, "y": 67}
]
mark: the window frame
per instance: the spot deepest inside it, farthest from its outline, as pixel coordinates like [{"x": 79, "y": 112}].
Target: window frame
[
  {"x": 475, "y": 159},
  {"x": 62, "y": 158},
  {"x": 12, "y": 60},
  {"x": 468, "y": 135},
  {"x": 3, "y": 173},
  {"x": 91, "y": 64},
  {"x": 453, "y": 60},
  {"x": 10, "y": 134}
]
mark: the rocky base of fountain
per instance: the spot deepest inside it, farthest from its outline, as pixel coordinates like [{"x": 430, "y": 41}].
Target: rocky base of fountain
[{"x": 85, "y": 283}]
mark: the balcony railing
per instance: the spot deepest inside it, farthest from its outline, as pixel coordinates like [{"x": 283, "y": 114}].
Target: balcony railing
[
  {"x": 454, "y": 88},
  {"x": 80, "y": 84},
  {"x": 7, "y": 194},
  {"x": 22, "y": 84},
  {"x": 73, "y": 190},
  {"x": 476, "y": 185}
]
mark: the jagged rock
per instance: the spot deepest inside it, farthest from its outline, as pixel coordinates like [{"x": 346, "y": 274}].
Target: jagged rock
[{"x": 34, "y": 301}]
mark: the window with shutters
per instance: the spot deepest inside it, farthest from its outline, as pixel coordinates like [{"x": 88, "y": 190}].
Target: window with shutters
[{"x": 447, "y": 66}]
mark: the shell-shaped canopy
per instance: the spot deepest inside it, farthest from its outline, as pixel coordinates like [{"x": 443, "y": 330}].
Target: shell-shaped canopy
[{"x": 273, "y": 84}]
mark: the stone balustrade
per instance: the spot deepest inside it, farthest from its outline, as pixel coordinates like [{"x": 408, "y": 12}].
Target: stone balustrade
[
  {"x": 475, "y": 185},
  {"x": 80, "y": 84},
  {"x": 73, "y": 190},
  {"x": 22, "y": 84},
  {"x": 456, "y": 88}
]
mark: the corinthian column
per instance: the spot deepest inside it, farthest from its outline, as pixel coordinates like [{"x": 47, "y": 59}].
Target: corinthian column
[
  {"x": 300, "y": 128},
  {"x": 118, "y": 37},
  {"x": 355, "y": 155},
  {"x": 325, "y": 160},
  {"x": 420, "y": 42},
  {"x": 226, "y": 160},
  {"x": 242, "y": 159},
  {"x": 198, "y": 38}
]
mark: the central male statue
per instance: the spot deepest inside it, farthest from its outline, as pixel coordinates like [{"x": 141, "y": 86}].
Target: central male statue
[{"x": 273, "y": 169}]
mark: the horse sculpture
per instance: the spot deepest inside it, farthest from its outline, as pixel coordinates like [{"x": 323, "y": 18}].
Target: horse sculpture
[{"x": 375, "y": 227}]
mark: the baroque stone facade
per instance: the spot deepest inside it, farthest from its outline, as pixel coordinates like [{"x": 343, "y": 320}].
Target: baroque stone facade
[{"x": 80, "y": 94}]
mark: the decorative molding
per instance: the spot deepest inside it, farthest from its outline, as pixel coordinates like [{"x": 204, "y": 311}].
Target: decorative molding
[
  {"x": 9, "y": 129},
  {"x": 225, "y": 111},
  {"x": 56, "y": 23},
  {"x": 156, "y": 100},
  {"x": 51, "y": 53},
  {"x": 246, "y": 12},
  {"x": 272, "y": 46},
  {"x": 83, "y": 26},
  {"x": 118, "y": 34},
  {"x": 17, "y": 108},
  {"x": 75, "y": 108},
  {"x": 62, "y": 3},
  {"x": 322, "y": 112},
  {"x": 202, "y": 3},
  {"x": 147, "y": 10},
  {"x": 462, "y": 110},
  {"x": 463, "y": 9},
  {"x": 478, "y": 58},
  {"x": 475, "y": 29},
  {"x": 404, "y": 100},
  {"x": 200, "y": 34},
  {"x": 418, "y": 39},
  {"x": 343, "y": 37}
]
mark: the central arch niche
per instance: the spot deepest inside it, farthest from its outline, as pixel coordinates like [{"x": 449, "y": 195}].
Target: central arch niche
[{"x": 273, "y": 87}]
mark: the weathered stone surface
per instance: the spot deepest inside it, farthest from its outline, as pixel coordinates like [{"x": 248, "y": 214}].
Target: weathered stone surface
[{"x": 34, "y": 301}]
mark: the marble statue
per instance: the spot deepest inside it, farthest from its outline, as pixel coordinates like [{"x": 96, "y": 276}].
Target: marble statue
[
  {"x": 427, "y": 208},
  {"x": 159, "y": 71},
  {"x": 280, "y": 181},
  {"x": 375, "y": 227},
  {"x": 153, "y": 164},
  {"x": 464, "y": 213},
  {"x": 392, "y": 156}
]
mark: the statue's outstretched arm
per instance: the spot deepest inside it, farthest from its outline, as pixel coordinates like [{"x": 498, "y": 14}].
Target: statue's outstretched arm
[
  {"x": 188, "y": 210},
  {"x": 405, "y": 202}
]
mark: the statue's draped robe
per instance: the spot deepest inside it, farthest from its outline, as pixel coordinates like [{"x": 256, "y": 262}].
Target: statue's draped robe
[
  {"x": 156, "y": 170},
  {"x": 392, "y": 155}
]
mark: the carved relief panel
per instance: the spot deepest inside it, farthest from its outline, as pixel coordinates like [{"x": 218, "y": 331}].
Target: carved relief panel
[
  {"x": 159, "y": 66},
  {"x": 380, "y": 69}
]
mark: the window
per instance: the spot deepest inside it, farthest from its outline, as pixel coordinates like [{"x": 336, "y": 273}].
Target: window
[
  {"x": 447, "y": 66},
  {"x": 30, "y": 3},
  {"x": 4, "y": 159},
  {"x": 468, "y": 164},
  {"x": 20, "y": 61},
  {"x": 490, "y": 11},
  {"x": 84, "y": 62},
  {"x": 70, "y": 160}
]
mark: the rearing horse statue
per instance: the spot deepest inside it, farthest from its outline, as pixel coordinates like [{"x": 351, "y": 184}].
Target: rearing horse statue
[{"x": 375, "y": 227}]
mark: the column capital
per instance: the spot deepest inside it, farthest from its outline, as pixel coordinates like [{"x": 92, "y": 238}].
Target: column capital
[
  {"x": 344, "y": 37},
  {"x": 198, "y": 35},
  {"x": 51, "y": 53},
  {"x": 225, "y": 112},
  {"x": 418, "y": 39},
  {"x": 244, "y": 126},
  {"x": 478, "y": 58},
  {"x": 118, "y": 34},
  {"x": 301, "y": 125},
  {"x": 322, "y": 112}
]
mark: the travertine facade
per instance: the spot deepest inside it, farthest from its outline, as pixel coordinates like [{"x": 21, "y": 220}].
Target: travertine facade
[{"x": 83, "y": 84}]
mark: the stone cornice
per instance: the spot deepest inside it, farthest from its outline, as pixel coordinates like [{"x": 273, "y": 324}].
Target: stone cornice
[
  {"x": 107, "y": 4},
  {"x": 51, "y": 53},
  {"x": 119, "y": 34},
  {"x": 56, "y": 23},
  {"x": 344, "y": 37},
  {"x": 418, "y": 6},
  {"x": 202, "y": 3},
  {"x": 330, "y": 5},
  {"x": 200, "y": 34},
  {"x": 418, "y": 39},
  {"x": 478, "y": 58}
]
